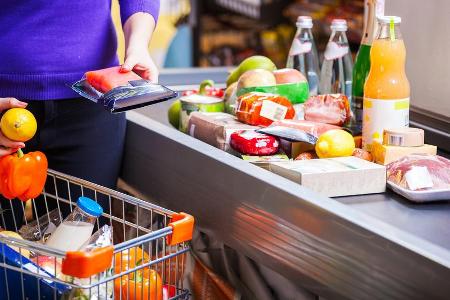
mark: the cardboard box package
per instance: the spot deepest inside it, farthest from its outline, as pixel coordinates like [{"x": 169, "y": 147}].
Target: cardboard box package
[
  {"x": 215, "y": 128},
  {"x": 384, "y": 155},
  {"x": 294, "y": 149},
  {"x": 333, "y": 177}
]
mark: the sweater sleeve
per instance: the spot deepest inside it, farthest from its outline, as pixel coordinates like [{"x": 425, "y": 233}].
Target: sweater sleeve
[{"x": 130, "y": 7}]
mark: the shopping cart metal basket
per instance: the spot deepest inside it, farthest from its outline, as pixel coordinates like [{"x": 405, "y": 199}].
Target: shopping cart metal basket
[{"x": 146, "y": 260}]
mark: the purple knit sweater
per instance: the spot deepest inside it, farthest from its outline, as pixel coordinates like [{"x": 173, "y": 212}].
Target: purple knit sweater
[{"x": 46, "y": 45}]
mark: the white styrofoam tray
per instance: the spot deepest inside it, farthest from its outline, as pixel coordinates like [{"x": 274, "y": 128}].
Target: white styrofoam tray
[{"x": 421, "y": 196}]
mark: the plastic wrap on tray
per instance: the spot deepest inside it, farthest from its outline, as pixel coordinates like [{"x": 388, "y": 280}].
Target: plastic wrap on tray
[
  {"x": 118, "y": 92},
  {"x": 420, "y": 172},
  {"x": 330, "y": 108},
  {"x": 262, "y": 109},
  {"x": 253, "y": 143}
]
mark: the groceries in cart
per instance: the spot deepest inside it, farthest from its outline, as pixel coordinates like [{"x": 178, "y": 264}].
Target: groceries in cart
[
  {"x": 78, "y": 226},
  {"x": 41, "y": 228},
  {"x": 76, "y": 264},
  {"x": 119, "y": 91}
]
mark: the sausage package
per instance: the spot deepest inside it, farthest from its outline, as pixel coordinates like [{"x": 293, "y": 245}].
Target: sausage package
[
  {"x": 119, "y": 92},
  {"x": 253, "y": 143},
  {"x": 263, "y": 109}
]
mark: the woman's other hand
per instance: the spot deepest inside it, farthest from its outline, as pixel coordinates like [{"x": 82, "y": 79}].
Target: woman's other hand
[
  {"x": 138, "y": 30},
  {"x": 6, "y": 145}
]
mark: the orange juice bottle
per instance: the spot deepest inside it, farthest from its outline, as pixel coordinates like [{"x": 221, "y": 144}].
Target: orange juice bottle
[{"x": 386, "y": 91}]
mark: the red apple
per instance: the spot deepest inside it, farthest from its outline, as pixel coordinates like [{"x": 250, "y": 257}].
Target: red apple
[{"x": 288, "y": 76}]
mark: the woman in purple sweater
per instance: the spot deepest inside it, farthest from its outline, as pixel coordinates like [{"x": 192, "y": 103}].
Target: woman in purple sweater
[{"x": 47, "y": 45}]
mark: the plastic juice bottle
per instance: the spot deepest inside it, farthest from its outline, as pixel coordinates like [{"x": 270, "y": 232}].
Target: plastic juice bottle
[
  {"x": 373, "y": 9},
  {"x": 386, "y": 91},
  {"x": 303, "y": 53}
]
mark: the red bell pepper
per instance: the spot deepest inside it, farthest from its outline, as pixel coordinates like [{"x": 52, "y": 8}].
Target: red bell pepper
[
  {"x": 23, "y": 176},
  {"x": 207, "y": 89}
]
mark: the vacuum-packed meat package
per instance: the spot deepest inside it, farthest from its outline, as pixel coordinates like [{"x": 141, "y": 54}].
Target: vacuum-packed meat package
[
  {"x": 420, "y": 172},
  {"x": 117, "y": 91},
  {"x": 253, "y": 143},
  {"x": 420, "y": 177},
  {"x": 309, "y": 127},
  {"x": 330, "y": 108},
  {"x": 263, "y": 109}
]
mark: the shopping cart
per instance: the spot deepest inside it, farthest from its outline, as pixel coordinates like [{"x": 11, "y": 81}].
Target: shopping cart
[{"x": 146, "y": 260}]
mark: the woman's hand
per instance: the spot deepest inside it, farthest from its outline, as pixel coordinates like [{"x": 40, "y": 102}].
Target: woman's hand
[
  {"x": 139, "y": 61},
  {"x": 138, "y": 30},
  {"x": 6, "y": 145}
]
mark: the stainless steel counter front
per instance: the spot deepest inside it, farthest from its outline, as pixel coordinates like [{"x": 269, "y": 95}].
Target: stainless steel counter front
[{"x": 363, "y": 247}]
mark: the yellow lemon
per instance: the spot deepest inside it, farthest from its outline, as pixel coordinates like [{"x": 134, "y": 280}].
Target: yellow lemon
[
  {"x": 18, "y": 124},
  {"x": 335, "y": 143},
  {"x": 15, "y": 235}
]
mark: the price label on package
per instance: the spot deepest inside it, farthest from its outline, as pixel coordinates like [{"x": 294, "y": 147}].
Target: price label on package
[
  {"x": 418, "y": 178},
  {"x": 273, "y": 111}
]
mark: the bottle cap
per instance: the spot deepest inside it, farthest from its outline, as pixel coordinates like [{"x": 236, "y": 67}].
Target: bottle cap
[
  {"x": 89, "y": 206},
  {"x": 304, "y": 21},
  {"x": 387, "y": 19},
  {"x": 339, "y": 24},
  {"x": 404, "y": 137}
]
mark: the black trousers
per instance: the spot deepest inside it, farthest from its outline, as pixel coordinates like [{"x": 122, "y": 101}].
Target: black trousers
[{"x": 79, "y": 138}]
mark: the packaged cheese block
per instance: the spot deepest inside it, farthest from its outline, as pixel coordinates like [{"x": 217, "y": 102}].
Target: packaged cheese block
[
  {"x": 384, "y": 155},
  {"x": 332, "y": 177},
  {"x": 105, "y": 80},
  {"x": 215, "y": 128}
]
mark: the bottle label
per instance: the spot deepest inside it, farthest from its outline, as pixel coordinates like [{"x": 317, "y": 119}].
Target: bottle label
[
  {"x": 299, "y": 48},
  {"x": 273, "y": 111},
  {"x": 381, "y": 114},
  {"x": 334, "y": 51}
]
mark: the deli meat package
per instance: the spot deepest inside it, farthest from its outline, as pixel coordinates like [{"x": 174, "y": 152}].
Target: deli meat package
[
  {"x": 295, "y": 129},
  {"x": 420, "y": 177},
  {"x": 330, "y": 108},
  {"x": 117, "y": 91},
  {"x": 250, "y": 142},
  {"x": 263, "y": 109}
]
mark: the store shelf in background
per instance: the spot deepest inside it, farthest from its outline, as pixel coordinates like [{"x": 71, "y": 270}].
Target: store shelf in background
[{"x": 256, "y": 9}]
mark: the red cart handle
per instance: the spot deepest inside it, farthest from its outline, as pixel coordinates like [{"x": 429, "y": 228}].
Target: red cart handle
[{"x": 182, "y": 228}]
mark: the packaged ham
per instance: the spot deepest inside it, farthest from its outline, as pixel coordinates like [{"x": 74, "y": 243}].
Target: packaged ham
[
  {"x": 253, "y": 143},
  {"x": 312, "y": 128},
  {"x": 420, "y": 177},
  {"x": 263, "y": 109},
  {"x": 117, "y": 91},
  {"x": 330, "y": 108}
]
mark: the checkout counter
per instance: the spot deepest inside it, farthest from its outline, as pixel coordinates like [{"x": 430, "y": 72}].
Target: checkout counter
[{"x": 376, "y": 246}]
